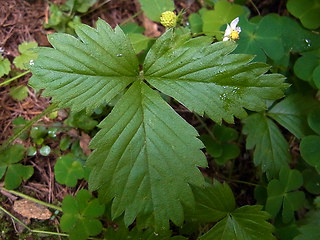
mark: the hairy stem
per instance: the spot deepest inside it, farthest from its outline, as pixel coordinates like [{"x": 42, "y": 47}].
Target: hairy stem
[
  {"x": 50, "y": 109},
  {"x": 14, "y": 78},
  {"x": 33, "y": 199}
]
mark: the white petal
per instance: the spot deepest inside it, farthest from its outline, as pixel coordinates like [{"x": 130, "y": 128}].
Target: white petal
[
  {"x": 225, "y": 39},
  {"x": 234, "y": 23},
  {"x": 228, "y": 31},
  {"x": 238, "y": 29}
]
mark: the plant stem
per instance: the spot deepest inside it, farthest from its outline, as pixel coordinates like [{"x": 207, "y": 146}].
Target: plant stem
[
  {"x": 29, "y": 229},
  {"x": 132, "y": 17},
  {"x": 204, "y": 125},
  {"x": 255, "y": 7},
  {"x": 50, "y": 233},
  {"x": 244, "y": 182},
  {"x": 93, "y": 9},
  {"x": 33, "y": 199},
  {"x": 14, "y": 78},
  {"x": 14, "y": 218},
  {"x": 50, "y": 109}
]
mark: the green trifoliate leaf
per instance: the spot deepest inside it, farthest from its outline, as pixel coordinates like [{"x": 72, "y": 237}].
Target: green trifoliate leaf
[
  {"x": 146, "y": 155},
  {"x": 79, "y": 215},
  {"x": 244, "y": 223},
  {"x": 85, "y": 72},
  {"x": 14, "y": 172},
  {"x": 154, "y": 8},
  {"x": 282, "y": 194},
  {"x": 213, "y": 202},
  {"x": 291, "y": 113},
  {"x": 151, "y": 163},
  {"x": 207, "y": 79},
  {"x": 27, "y": 57},
  {"x": 68, "y": 170},
  {"x": 271, "y": 148},
  {"x": 306, "y": 11},
  {"x": 4, "y": 66},
  {"x": 310, "y": 150}
]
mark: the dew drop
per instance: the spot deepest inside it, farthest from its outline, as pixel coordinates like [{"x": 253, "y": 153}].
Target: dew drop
[
  {"x": 308, "y": 42},
  {"x": 223, "y": 96}
]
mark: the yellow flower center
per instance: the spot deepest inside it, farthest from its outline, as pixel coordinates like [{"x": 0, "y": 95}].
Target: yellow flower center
[
  {"x": 168, "y": 19},
  {"x": 234, "y": 35}
]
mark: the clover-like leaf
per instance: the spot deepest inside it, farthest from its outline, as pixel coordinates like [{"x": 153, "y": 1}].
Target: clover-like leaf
[
  {"x": 146, "y": 155},
  {"x": 261, "y": 39},
  {"x": 154, "y": 8},
  {"x": 224, "y": 12},
  {"x": 310, "y": 150},
  {"x": 85, "y": 72},
  {"x": 311, "y": 181},
  {"x": 291, "y": 113},
  {"x": 307, "y": 67},
  {"x": 68, "y": 170},
  {"x": 14, "y": 172},
  {"x": 306, "y": 11},
  {"x": 314, "y": 120},
  {"x": 206, "y": 79},
  {"x": 4, "y": 66},
  {"x": 282, "y": 194},
  {"x": 27, "y": 54},
  {"x": 271, "y": 148},
  {"x": 247, "y": 222},
  {"x": 80, "y": 215},
  {"x": 218, "y": 145}
]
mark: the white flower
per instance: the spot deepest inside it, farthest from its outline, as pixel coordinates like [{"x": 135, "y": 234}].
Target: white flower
[
  {"x": 232, "y": 31},
  {"x": 31, "y": 62}
]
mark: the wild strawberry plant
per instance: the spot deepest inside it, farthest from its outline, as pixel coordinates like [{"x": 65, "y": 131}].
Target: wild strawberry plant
[{"x": 146, "y": 156}]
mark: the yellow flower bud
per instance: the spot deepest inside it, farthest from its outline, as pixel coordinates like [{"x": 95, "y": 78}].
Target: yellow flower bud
[{"x": 168, "y": 19}]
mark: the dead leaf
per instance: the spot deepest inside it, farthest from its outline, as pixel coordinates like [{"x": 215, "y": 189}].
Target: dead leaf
[
  {"x": 84, "y": 143},
  {"x": 29, "y": 209}
]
